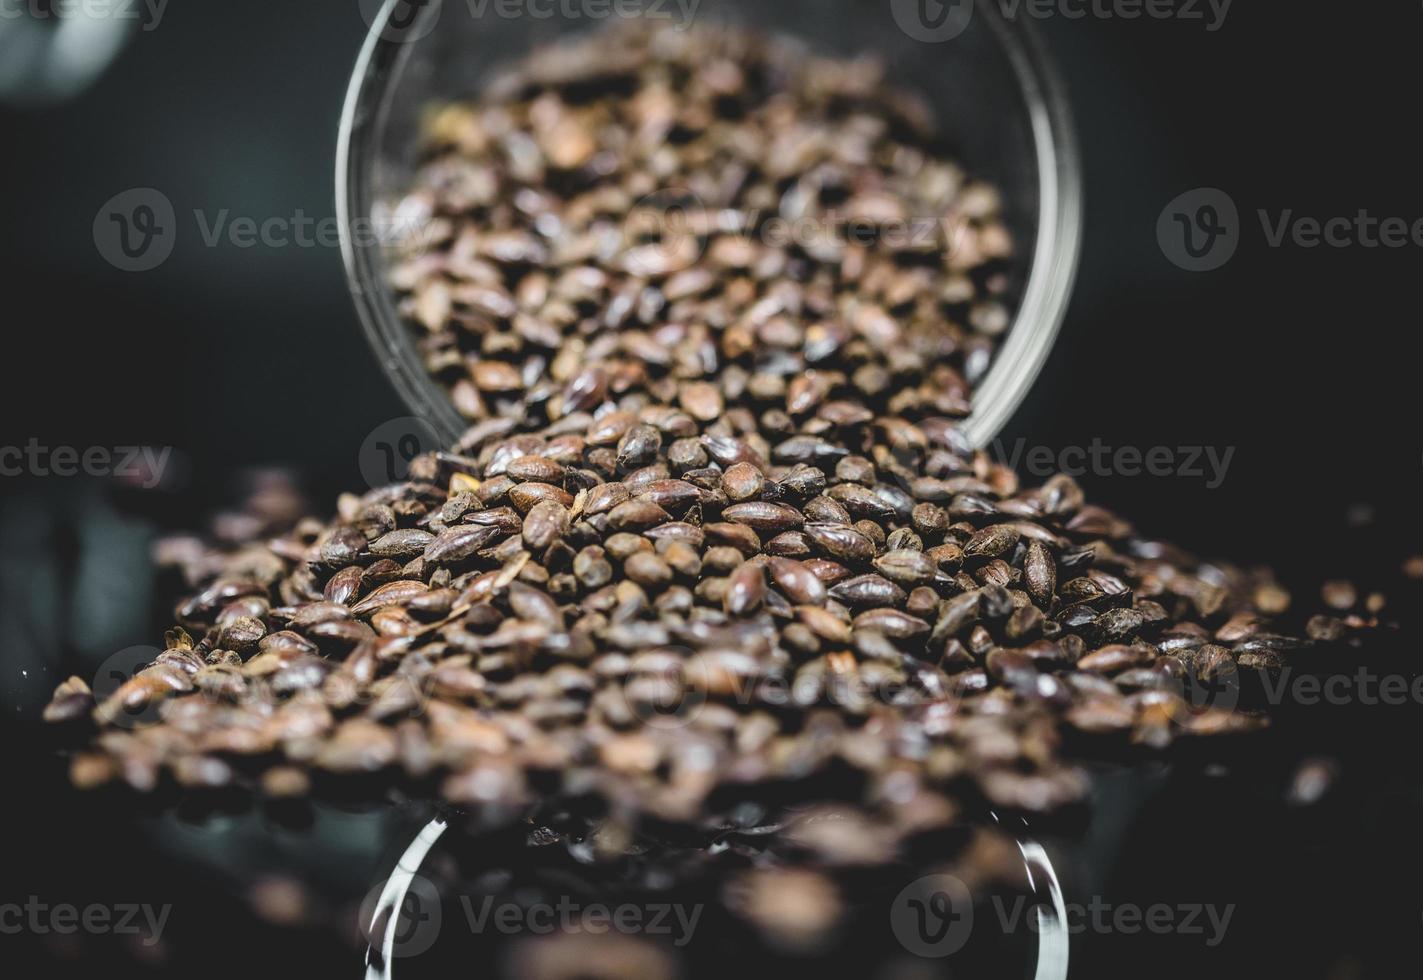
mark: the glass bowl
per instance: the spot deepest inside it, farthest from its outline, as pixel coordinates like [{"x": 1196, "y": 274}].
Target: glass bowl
[
  {"x": 988, "y": 80},
  {"x": 468, "y": 889}
]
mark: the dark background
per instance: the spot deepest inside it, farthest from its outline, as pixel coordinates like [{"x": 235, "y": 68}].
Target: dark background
[{"x": 1304, "y": 360}]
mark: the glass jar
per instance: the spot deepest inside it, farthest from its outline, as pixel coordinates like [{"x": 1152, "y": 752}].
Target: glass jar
[
  {"x": 986, "y": 78},
  {"x": 476, "y": 888}
]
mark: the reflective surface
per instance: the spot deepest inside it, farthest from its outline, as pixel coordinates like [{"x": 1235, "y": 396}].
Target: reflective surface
[{"x": 924, "y": 917}]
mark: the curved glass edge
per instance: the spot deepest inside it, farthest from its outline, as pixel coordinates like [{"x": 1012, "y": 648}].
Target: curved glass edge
[
  {"x": 367, "y": 101},
  {"x": 1054, "y": 938},
  {"x": 1051, "y": 276},
  {"x": 1056, "y": 252}
]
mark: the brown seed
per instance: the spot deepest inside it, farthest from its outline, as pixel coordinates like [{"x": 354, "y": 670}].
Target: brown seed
[
  {"x": 526, "y": 496},
  {"x": 241, "y": 634},
  {"x": 1040, "y": 573},
  {"x": 904, "y": 539},
  {"x": 948, "y": 556},
  {"x": 1115, "y": 658},
  {"x": 869, "y": 590},
  {"x": 806, "y": 391},
  {"x": 1081, "y": 590},
  {"x": 1118, "y": 625},
  {"x": 1213, "y": 664},
  {"x": 701, "y": 400},
  {"x": 892, "y": 623},
  {"x": 637, "y": 515},
  {"x": 799, "y": 583},
  {"x": 1325, "y": 629},
  {"x": 546, "y": 522},
  {"x": 609, "y": 429},
  {"x": 394, "y": 594},
  {"x": 72, "y": 700},
  {"x": 1340, "y": 595},
  {"x": 1272, "y": 599},
  {"x": 630, "y": 754},
  {"x": 285, "y": 782},
  {"x": 624, "y": 545},
  {"x": 638, "y": 447},
  {"x": 403, "y": 544},
  {"x": 1312, "y": 781},
  {"x": 743, "y": 481},
  {"x": 825, "y": 624},
  {"x": 746, "y": 589},
  {"x": 358, "y": 745},
  {"x": 842, "y": 543},
  {"x": 670, "y": 494},
  {"x": 1013, "y": 668},
  {"x": 906, "y": 567},
  {"x": 855, "y": 469},
  {"x": 506, "y": 519},
  {"x": 929, "y": 519},
  {"x": 722, "y": 560},
  {"x": 533, "y": 604},
  {"x": 287, "y": 643},
  {"x": 791, "y": 544},
  {"x": 688, "y": 534},
  {"x": 495, "y": 376},
  {"x": 394, "y": 621},
  {"x": 605, "y": 497},
  {"x": 537, "y": 469},
  {"x": 1024, "y": 623},
  {"x": 343, "y": 546},
  {"x": 824, "y": 510},
  {"x": 460, "y": 543},
  {"x": 592, "y": 568},
  {"x": 764, "y": 516},
  {"x": 683, "y": 559},
  {"x": 922, "y": 602},
  {"x": 345, "y": 585},
  {"x": 861, "y": 502},
  {"x": 992, "y": 542},
  {"x": 648, "y": 570},
  {"x": 432, "y": 604}
]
